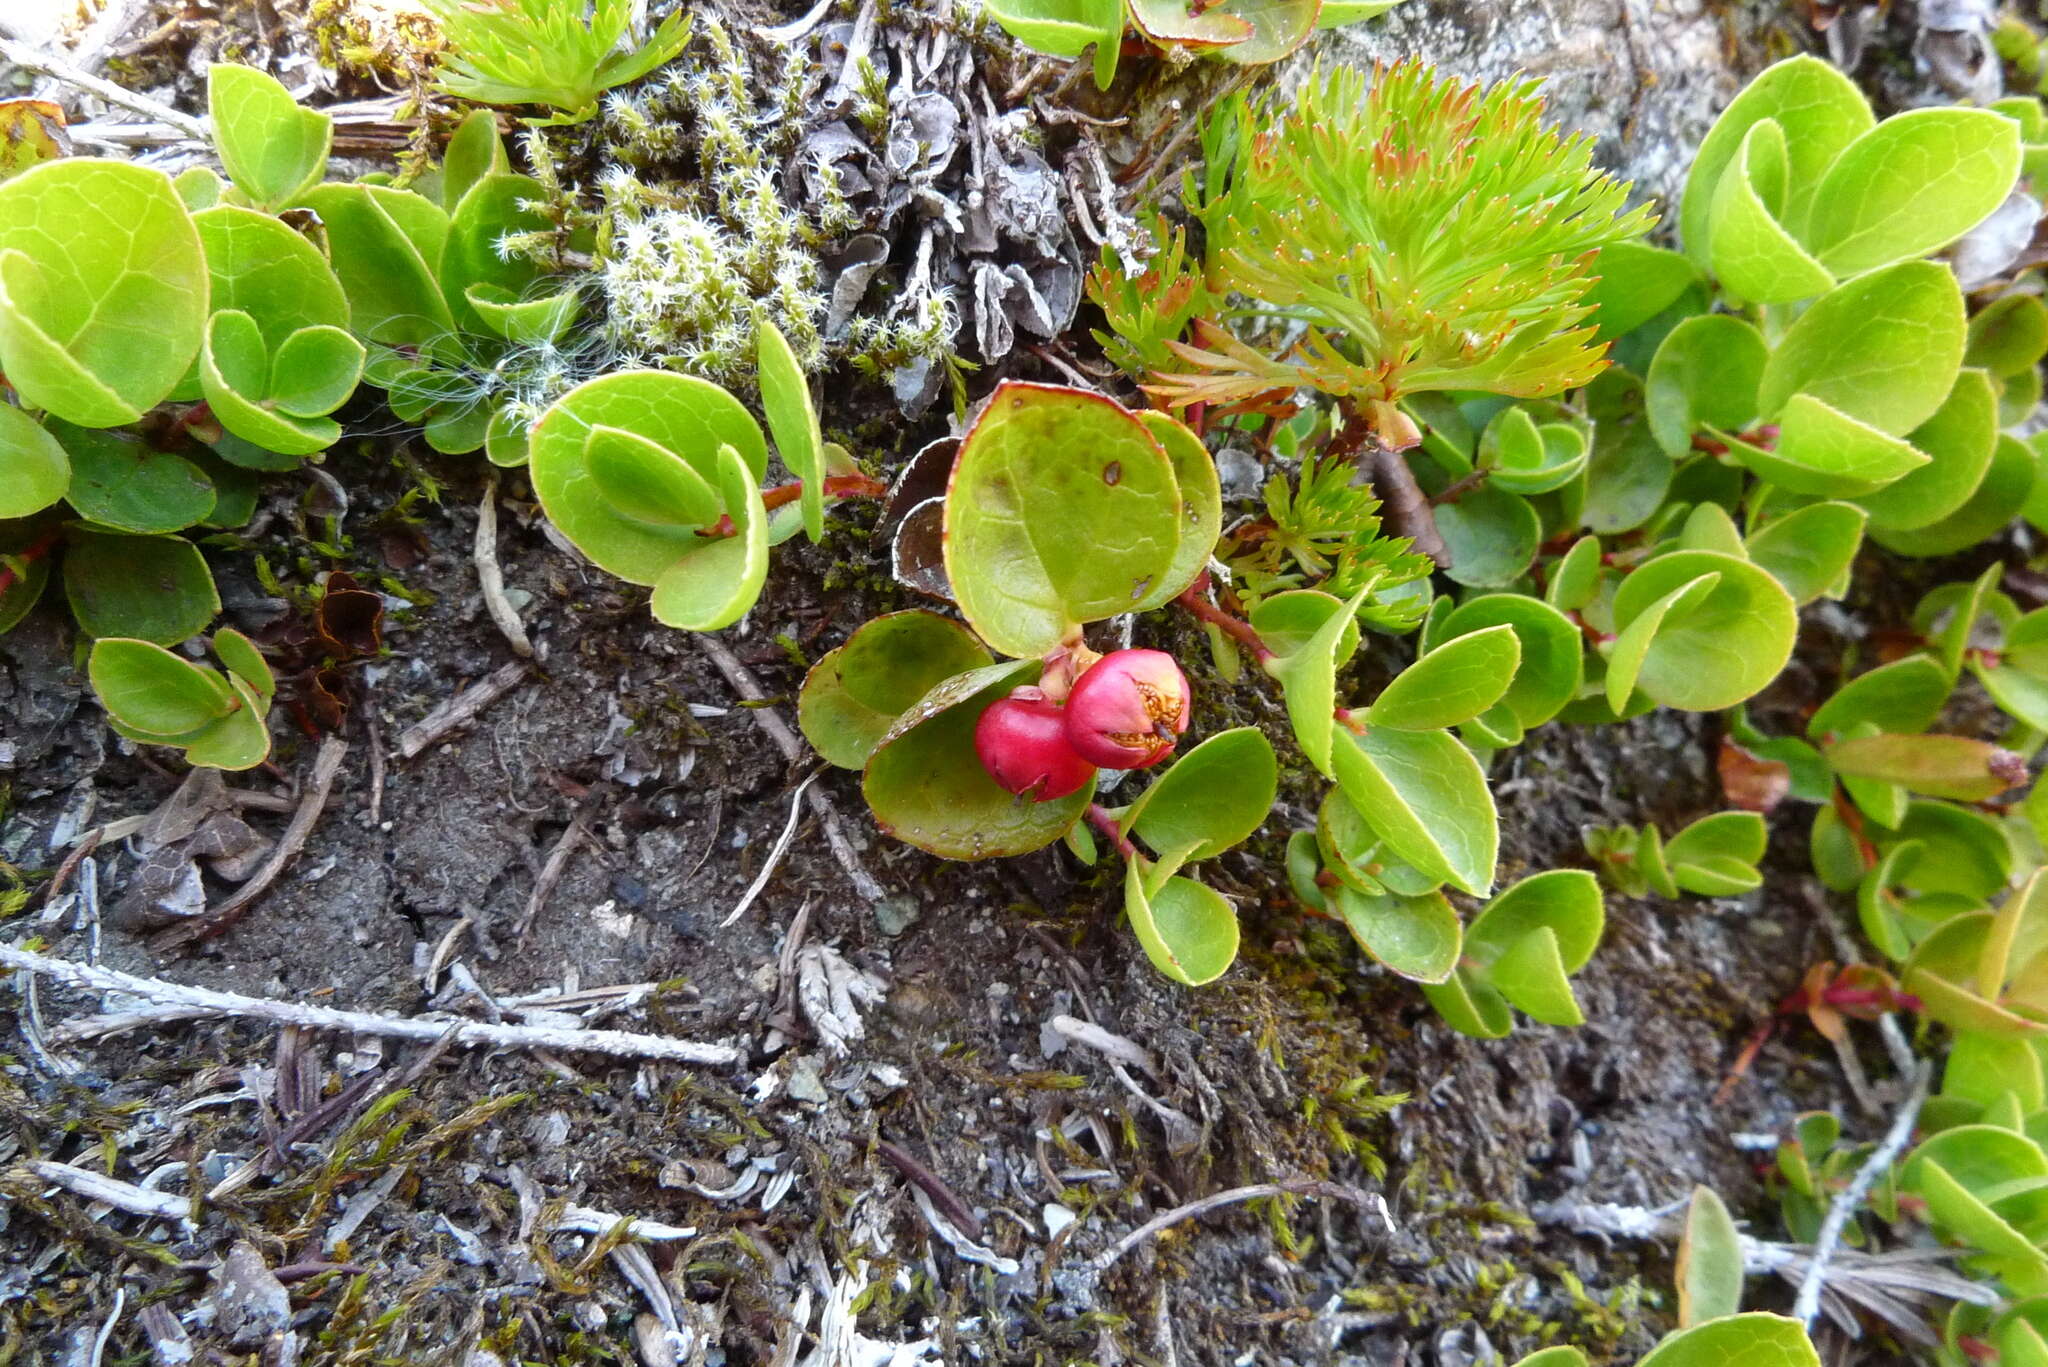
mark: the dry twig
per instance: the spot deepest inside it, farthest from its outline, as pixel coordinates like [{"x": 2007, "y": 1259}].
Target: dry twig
[
  {"x": 491, "y": 578},
  {"x": 460, "y": 710},
  {"x": 1106, "y": 1259},
  {"x": 1850, "y": 1198},
  {"x": 205, "y": 1001},
  {"x": 28, "y": 59},
  {"x": 551, "y": 872},
  {"x": 748, "y": 687},
  {"x": 94, "y": 1186}
]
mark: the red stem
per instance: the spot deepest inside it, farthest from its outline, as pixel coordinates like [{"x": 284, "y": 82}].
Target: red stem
[
  {"x": 37, "y": 549},
  {"x": 836, "y": 486},
  {"x": 1236, "y": 628},
  {"x": 1100, "y": 817}
]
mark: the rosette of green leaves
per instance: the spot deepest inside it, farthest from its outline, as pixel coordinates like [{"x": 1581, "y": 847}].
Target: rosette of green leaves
[
  {"x": 1799, "y": 196},
  {"x": 277, "y": 356},
  {"x": 218, "y": 717},
  {"x": 1520, "y": 953},
  {"x": 1715, "y": 856},
  {"x": 1065, "y": 508},
  {"x": 1421, "y": 792},
  {"x": 444, "y": 311},
  {"x": 1432, "y": 236},
  {"x": 564, "y": 53}
]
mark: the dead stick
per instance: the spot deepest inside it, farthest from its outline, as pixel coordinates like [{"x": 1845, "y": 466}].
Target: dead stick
[
  {"x": 1103, "y": 1261},
  {"x": 460, "y": 710},
  {"x": 619, "y": 1043},
  {"x": 768, "y": 719},
  {"x": 1807, "y": 1305},
  {"x": 28, "y": 59},
  {"x": 312, "y": 799},
  {"x": 551, "y": 871},
  {"x": 491, "y": 578}
]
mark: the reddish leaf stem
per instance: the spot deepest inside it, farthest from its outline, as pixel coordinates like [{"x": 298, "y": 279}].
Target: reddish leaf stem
[
  {"x": 1104, "y": 821},
  {"x": 836, "y": 486},
  {"x": 1232, "y": 626},
  {"x": 36, "y": 550}
]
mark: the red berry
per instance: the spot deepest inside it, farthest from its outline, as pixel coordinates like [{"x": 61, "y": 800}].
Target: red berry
[
  {"x": 1022, "y": 742},
  {"x": 1127, "y": 710}
]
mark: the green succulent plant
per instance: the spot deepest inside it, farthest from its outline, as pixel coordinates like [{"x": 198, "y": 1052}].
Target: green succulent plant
[{"x": 563, "y": 53}]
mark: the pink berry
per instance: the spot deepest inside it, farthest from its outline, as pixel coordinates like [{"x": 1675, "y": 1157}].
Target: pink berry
[
  {"x": 1022, "y": 742},
  {"x": 1127, "y": 710}
]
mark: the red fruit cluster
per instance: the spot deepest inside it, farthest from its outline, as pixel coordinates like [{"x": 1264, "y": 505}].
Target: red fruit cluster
[{"x": 1124, "y": 712}]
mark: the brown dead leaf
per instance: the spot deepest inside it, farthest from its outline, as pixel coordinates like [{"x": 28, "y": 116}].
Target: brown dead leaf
[
  {"x": 1749, "y": 781},
  {"x": 31, "y": 131}
]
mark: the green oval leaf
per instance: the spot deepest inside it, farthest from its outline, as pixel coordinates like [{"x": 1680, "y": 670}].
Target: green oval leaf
[
  {"x": 854, "y": 694},
  {"x": 35, "y": 471},
  {"x": 1824, "y": 453},
  {"x": 258, "y": 265},
  {"x": 1883, "y": 348},
  {"x": 711, "y": 588},
  {"x": 644, "y": 482},
  {"x": 1705, "y": 374},
  {"x": 1905, "y": 695},
  {"x": 1451, "y": 684},
  {"x": 1809, "y": 550},
  {"x": 1916, "y": 182},
  {"x": 1470, "y": 1006},
  {"x": 103, "y": 289},
  {"x": 273, "y": 147},
  {"x": 1062, "y": 510},
  {"x": 1959, "y": 441},
  {"x": 1201, "y": 502},
  {"x": 1998, "y": 498},
  {"x": 1724, "y": 647},
  {"x": 490, "y": 209},
  {"x": 1212, "y": 798},
  {"x": 1709, "y": 1272},
  {"x": 1957, "y": 767},
  {"x": 155, "y": 588},
  {"x": 1492, "y": 535},
  {"x": 1427, "y": 797},
  {"x": 1635, "y": 283},
  {"x": 235, "y": 371},
  {"x": 151, "y": 690},
  {"x": 792, "y": 419},
  {"x": 240, "y": 740},
  {"x": 927, "y": 788},
  {"x": 1416, "y": 938},
  {"x": 386, "y": 245},
  {"x": 1754, "y": 256},
  {"x": 119, "y": 482},
  {"x": 1188, "y": 931},
  {"x": 689, "y": 417},
  {"x": 1821, "y": 111},
  {"x": 1755, "y": 1339},
  {"x": 1564, "y": 902}
]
